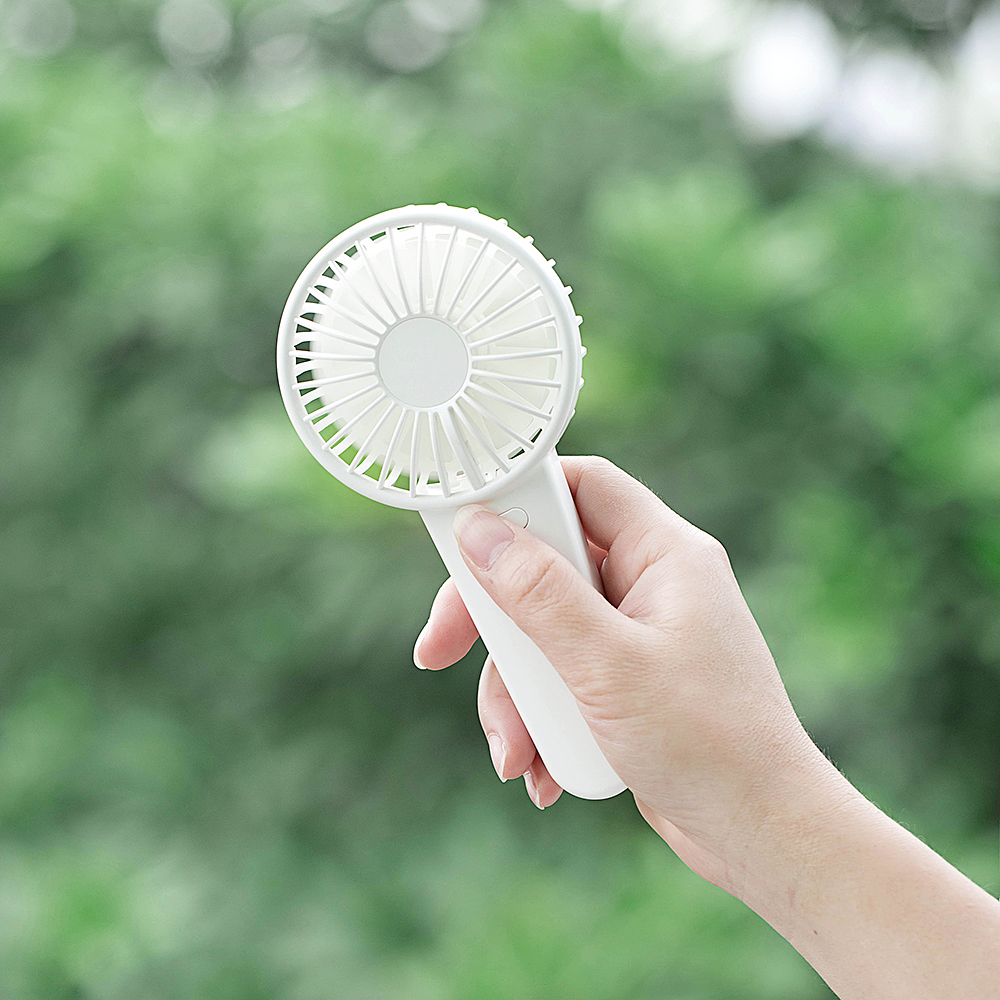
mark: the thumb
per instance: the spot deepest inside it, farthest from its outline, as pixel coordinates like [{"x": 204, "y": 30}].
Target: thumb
[{"x": 543, "y": 594}]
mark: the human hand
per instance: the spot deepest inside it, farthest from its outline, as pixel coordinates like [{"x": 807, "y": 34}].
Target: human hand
[
  {"x": 680, "y": 691},
  {"x": 670, "y": 669}
]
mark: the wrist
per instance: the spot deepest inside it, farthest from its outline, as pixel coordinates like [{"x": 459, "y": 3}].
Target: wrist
[
  {"x": 802, "y": 805},
  {"x": 871, "y": 907}
]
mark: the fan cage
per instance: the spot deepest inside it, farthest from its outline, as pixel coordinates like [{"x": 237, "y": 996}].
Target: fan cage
[{"x": 483, "y": 281}]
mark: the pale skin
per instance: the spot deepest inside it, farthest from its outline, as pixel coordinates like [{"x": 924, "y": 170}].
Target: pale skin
[{"x": 683, "y": 696}]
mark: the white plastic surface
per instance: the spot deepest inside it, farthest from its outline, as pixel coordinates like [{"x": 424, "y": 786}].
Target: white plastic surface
[
  {"x": 548, "y": 708},
  {"x": 422, "y": 362}
]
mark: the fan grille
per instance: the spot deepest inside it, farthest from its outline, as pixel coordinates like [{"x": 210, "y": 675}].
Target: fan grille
[{"x": 486, "y": 367}]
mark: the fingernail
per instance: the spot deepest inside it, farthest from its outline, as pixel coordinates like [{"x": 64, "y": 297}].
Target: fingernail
[
  {"x": 497, "y": 753},
  {"x": 416, "y": 646},
  {"x": 481, "y": 535},
  {"x": 529, "y": 784}
]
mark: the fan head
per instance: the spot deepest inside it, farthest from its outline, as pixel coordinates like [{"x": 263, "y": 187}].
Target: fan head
[{"x": 429, "y": 356}]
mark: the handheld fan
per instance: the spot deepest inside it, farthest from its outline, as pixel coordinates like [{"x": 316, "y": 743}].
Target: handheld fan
[{"x": 429, "y": 357}]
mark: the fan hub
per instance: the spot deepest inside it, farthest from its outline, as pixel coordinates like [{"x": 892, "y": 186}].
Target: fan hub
[{"x": 423, "y": 362}]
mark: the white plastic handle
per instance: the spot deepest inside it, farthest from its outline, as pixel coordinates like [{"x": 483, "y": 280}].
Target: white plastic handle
[{"x": 548, "y": 708}]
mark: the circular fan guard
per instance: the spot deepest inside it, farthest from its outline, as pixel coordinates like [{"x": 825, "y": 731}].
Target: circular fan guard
[{"x": 426, "y": 355}]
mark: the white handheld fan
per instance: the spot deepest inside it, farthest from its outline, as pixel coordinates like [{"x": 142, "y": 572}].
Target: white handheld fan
[{"x": 429, "y": 357}]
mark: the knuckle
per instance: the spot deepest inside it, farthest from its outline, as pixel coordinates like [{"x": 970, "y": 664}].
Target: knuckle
[
  {"x": 596, "y": 468},
  {"x": 484, "y": 709},
  {"x": 490, "y": 697},
  {"x": 598, "y": 463},
  {"x": 712, "y": 550},
  {"x": 708, "y": 562},
  {"x": 483, "y": 691},
  {"x": 706, "y": 549},
  {"x": 653, "y": 544},
  {"x": 535, "y": 583}
]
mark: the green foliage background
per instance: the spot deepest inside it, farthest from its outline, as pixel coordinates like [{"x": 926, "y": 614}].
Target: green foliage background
[{"x": 220, "y": 775}]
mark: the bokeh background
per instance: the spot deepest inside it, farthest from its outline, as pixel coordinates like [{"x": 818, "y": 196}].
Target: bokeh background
[{"x": 220, "y": 774}]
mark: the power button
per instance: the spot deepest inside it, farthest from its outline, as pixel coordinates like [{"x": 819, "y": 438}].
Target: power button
[{"x": 516, "y": 515}]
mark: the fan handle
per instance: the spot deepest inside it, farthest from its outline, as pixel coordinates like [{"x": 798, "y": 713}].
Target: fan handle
[{"x": 546, "y": 705}]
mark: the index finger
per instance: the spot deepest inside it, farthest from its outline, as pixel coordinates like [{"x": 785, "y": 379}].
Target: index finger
[{"x": 449, "y": 632}]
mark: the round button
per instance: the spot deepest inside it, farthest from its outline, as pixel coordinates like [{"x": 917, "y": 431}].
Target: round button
[{"x": 516, "y": 515}]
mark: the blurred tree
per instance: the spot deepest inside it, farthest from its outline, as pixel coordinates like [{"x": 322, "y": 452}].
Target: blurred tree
[{"x": 219, "y": 776}]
